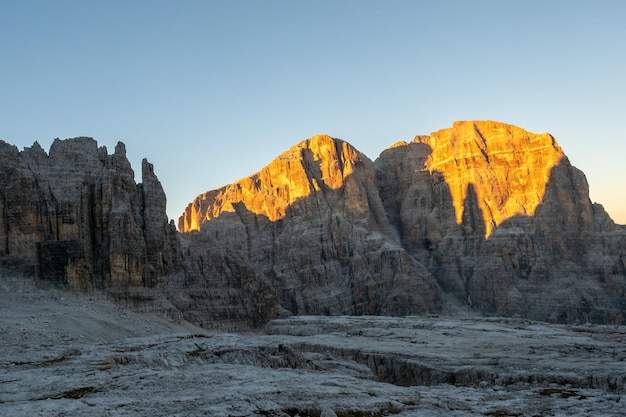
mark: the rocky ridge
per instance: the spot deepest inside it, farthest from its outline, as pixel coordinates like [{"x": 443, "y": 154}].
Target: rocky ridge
[{"x": 313, "y": 224}]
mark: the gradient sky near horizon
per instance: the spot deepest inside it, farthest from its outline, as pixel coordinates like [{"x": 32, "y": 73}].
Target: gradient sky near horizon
[{"x": 212, "y": 91}]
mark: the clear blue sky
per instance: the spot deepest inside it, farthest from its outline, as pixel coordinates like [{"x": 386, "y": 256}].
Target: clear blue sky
[{"x": 211, "y": 91}]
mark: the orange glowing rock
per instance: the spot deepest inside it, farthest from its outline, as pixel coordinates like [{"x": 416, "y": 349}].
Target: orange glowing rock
[
  {"x": 507, "y": 166},
  {"x": 315, "y": 163}
]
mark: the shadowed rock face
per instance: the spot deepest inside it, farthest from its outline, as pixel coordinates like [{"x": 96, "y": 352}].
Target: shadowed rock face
[{"x": 77, "y": 218}]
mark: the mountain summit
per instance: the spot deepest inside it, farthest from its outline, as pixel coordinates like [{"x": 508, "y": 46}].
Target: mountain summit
[
  {"x": 506, "y": 166},
  {"x": 316, "y": 164}
]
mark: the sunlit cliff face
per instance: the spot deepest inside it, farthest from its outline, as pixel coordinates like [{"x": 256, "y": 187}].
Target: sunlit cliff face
[
  {"x": 507, "y": 167},
  {"x": 316, "y": 163}
]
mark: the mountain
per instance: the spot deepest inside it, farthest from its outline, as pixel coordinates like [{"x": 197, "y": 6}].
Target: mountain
[
  {"x": 483, "y": 215},
  {"x": 505, "y": 224},
  {"x": 482, "y": 218},
  {"x": 313, "y": 223}
]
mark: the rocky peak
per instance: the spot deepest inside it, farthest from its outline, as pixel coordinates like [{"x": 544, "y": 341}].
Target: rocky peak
[
  {"x": 506, "y": 167},
  {"x": 504, "y": 223},
  {"x": 495, "y": 214},
  {"x": 313, "y": 165},
  {"x": 74, "y": 216},
  {"x": 313, "y": 224},
  {"x": 483, "y": 215}
]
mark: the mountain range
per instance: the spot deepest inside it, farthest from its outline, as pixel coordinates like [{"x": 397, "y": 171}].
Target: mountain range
[{"x": 480, "y": 218}]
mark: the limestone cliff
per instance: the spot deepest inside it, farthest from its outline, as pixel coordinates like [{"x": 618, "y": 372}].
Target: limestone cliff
[
  {"x": 496, "y": 214},
  {"x": 77, "y": 218},
  {"x": 312, "y": 222},
  {"x": 507, "y": 166},
  {"x": 482, "y": 216},
  {"x": 505, "y": 224}
]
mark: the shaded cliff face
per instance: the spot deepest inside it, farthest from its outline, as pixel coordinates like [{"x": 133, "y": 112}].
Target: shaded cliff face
[
  {"x": 312, "y": 222},
  {"x": 77, "y": 217},
  {"x": 505, "y": 224}
]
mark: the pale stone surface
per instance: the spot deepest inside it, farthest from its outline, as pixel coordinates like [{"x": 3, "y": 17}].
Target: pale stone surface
[{"x": 68, "y": 355}]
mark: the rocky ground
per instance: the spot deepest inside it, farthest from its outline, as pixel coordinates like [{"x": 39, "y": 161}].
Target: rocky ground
[{"x": 65, "y": 355}]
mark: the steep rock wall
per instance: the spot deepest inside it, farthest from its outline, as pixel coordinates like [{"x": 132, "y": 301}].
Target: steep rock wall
[
  {"x": 77, "y": 218},
  {"x": 496, "y": 214},
  {"x": 312, "y": 222},
  {"x": 505, "y": 224}
]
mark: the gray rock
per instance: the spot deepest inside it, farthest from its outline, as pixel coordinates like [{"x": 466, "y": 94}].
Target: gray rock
[
  {"x": 66, "y": 353},
  {"x": 327, "y": 412},
  {"x": 312, "y": 222},
  {"x": 504, "y": 223},
  {"x": 76, "y": 218}
]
